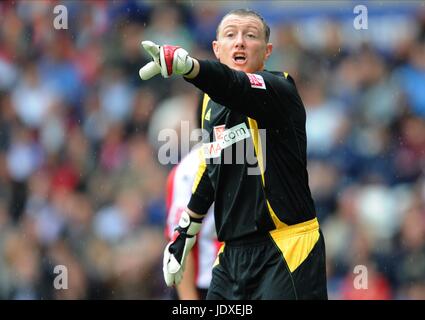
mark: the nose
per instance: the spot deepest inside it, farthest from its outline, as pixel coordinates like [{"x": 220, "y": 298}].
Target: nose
[{"x": 240, "y": 42}]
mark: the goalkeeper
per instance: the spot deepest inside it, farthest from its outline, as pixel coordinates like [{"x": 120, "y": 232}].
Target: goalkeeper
[{"x": 274, "y": 248}]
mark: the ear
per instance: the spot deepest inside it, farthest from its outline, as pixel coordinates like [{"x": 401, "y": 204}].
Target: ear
[
  {"x": 216, "y": 49},
  {"x": 269, "y": 49}
]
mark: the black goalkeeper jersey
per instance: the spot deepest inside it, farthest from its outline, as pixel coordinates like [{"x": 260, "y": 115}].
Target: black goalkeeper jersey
[{"x": 254, "y": 167}]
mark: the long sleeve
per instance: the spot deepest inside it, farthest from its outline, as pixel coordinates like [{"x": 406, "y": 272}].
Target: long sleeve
[
  {"x": 261, "y": 95},
  {"x": 202, "y": 190}
]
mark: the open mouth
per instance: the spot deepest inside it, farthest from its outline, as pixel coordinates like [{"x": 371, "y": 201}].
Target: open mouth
[{"x": 239, "y": 58}]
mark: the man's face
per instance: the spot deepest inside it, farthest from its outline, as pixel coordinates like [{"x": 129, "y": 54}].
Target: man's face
[{"x": 241, "y": 43}]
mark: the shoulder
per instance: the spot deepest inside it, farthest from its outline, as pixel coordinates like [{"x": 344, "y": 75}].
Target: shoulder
[
  {"x": 278, "y": 81},
  {"x": 279, "y": 76}
]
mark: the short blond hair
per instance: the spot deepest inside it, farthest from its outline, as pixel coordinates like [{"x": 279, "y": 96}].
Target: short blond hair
[{"x": 244, "y": 13}]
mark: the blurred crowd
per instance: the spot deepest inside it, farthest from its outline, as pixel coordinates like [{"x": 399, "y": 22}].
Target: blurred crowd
[{"x": 81, "y": 184}]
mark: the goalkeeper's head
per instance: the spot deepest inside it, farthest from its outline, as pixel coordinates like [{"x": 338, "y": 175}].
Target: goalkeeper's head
[{"x": 243, "y": 40}]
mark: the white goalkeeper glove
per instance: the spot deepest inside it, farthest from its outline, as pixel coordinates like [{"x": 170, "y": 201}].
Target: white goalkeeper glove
[
  {"x": 176, "y": 251},
  {"x": 167, "y": 60}
]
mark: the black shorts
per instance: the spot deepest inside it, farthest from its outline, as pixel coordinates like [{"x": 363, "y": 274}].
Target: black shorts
[{"x": 283, "y": 264}]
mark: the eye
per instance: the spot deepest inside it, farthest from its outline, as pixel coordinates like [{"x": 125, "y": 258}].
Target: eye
[
  {"x": 251, "y": 35},
  {"x": 229, "y": 34}
]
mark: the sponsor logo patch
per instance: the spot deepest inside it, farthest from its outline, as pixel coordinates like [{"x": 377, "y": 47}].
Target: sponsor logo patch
[
  {"x": 225, "y": 138},
  {"x": 257, "y": 81},
  {"x": 218, "y": 132}
]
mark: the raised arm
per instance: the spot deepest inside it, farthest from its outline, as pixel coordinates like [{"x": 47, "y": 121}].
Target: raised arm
[{"x": 260, "y": 95}]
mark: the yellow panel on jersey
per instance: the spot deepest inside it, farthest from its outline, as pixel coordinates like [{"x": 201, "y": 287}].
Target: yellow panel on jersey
[
  {"x": 296, "y": 241},
  {"x": 253, "y": 126},
  {"x": 217, "y": 260},
  {"x": 208, "y": 115},
  {"x": 204, "y": 108},
  {"x": 201, "y": 169},
  {"x": 202, "y": 166}
]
